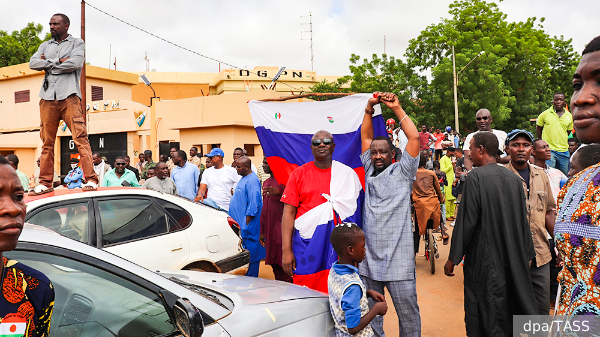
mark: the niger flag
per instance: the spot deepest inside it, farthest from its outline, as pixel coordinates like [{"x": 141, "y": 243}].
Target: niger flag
[{"x": 13, "y": 325}]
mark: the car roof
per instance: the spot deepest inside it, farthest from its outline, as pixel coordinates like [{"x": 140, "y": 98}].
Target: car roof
[{"x": 76, "y": 192}]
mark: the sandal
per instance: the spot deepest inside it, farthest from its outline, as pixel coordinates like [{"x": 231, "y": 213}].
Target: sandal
[
  {"x": 89, "y": 186},
  {"x": 446, "y": 239},
  {"x": 41, "y": 189}
]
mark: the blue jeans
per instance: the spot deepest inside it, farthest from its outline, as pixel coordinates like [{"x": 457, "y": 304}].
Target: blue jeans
[{"x": 559, "y": 160}]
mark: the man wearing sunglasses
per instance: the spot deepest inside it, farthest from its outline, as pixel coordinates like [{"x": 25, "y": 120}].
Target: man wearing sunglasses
[
  {"x": 484, "y": 120},
  {"x": 120, "y": 176},
  {"x": 389, "y": 261}
]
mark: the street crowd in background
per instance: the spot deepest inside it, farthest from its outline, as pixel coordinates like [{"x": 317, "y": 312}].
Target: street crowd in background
[{"x": 523, "y": 207}]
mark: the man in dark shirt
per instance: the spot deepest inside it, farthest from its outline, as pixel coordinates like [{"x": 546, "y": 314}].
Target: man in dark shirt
[
  {"x": 131, "y": 168},
  {"x": 27, "y": 295}
]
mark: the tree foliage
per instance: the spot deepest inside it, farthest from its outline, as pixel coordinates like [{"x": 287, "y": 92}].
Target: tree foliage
[
  {"x": 17, "y": 47},
  {"x": 518, "y": 69}
]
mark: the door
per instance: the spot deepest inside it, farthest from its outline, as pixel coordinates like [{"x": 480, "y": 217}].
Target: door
[
  {"x": 140, "y": 231},
  {"x": 71, "y": 219}
]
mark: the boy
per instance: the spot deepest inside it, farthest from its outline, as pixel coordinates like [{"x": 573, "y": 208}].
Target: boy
[
  {"x": 583, "y": 158},
  {"x": 347, "y": 294},
  {"x": 27, "y": 295}
]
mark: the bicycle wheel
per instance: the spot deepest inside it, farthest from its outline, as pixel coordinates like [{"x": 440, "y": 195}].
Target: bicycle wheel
[{"x": 431, "y": 249}]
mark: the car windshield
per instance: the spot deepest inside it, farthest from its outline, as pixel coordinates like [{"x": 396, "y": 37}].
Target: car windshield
[{"x": 209, "y": 294}]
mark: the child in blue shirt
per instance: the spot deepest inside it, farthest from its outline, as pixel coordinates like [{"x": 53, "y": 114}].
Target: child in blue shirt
[{"x": 347, "y": 294}]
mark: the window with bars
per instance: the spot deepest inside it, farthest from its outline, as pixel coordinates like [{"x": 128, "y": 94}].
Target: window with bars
[
  {"x": 97, "y": 93},
  {"x": 22, "y": 96}
]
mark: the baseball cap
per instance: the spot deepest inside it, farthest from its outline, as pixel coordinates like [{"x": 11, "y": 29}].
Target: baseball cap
[
  {"x": 518, "y": 132},
  {"x": 216, "y": 152}
]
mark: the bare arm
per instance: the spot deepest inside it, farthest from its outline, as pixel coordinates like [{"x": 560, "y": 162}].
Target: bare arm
[
  {"x": 287, "y": 228},
  {"x": 550, "y": 220},
  {"x": 538, "y": 131},
  {"x": 366, "y": 131},
  {"x": 201, "y": 193},
  {"x": 407, "y": 125}
]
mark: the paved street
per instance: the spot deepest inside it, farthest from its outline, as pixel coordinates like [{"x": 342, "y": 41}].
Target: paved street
[{"x": 440, "y": 297}]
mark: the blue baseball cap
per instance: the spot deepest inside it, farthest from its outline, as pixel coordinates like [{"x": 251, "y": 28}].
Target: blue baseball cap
[
  {"x": 216, "y": 152},
  {"x": 448, "y": 128},
  {"x": 518, "y": 132}
]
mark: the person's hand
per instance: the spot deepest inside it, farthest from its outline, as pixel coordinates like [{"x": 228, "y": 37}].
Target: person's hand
[
  {"x": 377, "y": 297},
  {"x": 63, "y": 60},
  {"x": 270, "y": 190},
  {"x": 199, "y": 198},
  {"x": 449, "y": 268},
  {"x": 380, "y": 308},
  {"x": 389, "y": 99},
  {"x": 288, "y": 262},
  {"x": 374, "y": 100},
  {"x": 261, "y": 239},
  {"x": 42, "y": 57},
  {"x": 442, "y": 199}
]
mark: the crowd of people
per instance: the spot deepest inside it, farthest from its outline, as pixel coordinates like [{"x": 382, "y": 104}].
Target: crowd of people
[{"x": 527, "y": 216}]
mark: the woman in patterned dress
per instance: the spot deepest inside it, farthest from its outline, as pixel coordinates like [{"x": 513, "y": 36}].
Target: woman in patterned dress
[{"x": 577, "y": 230}]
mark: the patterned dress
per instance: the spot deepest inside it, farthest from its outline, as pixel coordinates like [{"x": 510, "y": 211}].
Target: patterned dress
[
  {"x": 577, "y": 237},
  {"x": 27, "y": 300}
]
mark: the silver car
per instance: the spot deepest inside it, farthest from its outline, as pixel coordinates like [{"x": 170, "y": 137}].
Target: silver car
[{"x": 100, "y": 294}]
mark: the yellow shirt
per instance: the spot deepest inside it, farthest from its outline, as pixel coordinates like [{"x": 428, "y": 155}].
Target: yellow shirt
[{"x": 556, "y": 129}]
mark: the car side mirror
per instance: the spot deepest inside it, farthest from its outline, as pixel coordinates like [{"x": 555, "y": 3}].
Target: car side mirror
[{"x": 188, "y": 319}]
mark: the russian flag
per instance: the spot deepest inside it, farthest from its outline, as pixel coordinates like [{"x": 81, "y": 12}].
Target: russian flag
[{"x": 285, "y": 131}]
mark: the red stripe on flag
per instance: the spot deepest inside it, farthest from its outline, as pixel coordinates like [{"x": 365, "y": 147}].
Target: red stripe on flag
[
  {"x": 316, "y": 281},
  {"x": 281, "y": 169}
]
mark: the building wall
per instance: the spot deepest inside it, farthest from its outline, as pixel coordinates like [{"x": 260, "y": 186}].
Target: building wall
[{"x": 142, "y": 93}]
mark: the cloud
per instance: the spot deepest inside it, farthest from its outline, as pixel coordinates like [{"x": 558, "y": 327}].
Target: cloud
[{"x": 268, "y": 33}]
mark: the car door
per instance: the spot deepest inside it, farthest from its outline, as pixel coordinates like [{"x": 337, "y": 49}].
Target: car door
[
  {"x": 139, "y": 230},
  {"x": 74, "y": 219}
]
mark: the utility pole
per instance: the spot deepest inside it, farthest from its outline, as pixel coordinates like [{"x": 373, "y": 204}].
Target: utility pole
[
  {"x": 83, "y": 85},
  {"x": 312, "y": 56},
  {"x": 456, "y": 84}
]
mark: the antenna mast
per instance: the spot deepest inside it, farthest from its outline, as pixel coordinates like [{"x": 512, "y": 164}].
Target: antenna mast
[{"x": 312, "y": 55}]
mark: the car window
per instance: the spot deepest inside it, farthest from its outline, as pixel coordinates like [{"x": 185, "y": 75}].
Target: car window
[
  {"x": 182, "y": 218},
  {"x": 92, "y": 302},
  {"x": 69, "y": 220},
  {"x": 129, "y": 219}
]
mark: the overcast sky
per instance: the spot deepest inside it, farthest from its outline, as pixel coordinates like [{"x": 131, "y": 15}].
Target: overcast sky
[{"x": 268, "y": 32}]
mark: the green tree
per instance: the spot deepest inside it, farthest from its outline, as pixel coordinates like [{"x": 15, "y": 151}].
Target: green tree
[
  {"x": 519, "y": 68},
  {"x": 18, "y": 47}
]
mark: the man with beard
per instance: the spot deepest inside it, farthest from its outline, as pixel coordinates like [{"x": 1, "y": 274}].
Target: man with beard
[
  {"x": 389, "y": 261},
  {"x": 484, "y": 120},
  {"x": 61, "y": 58},
  {"x": 493, "y": 235},
  {"x": 120, "y": 176},
  {"x": 161, "y": 181},
  {"x": 540, "y": 212},
  {"x": 270, "y": 223}
]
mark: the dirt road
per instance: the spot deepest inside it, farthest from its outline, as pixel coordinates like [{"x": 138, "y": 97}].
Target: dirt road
[{"x": 440, "y": 297}]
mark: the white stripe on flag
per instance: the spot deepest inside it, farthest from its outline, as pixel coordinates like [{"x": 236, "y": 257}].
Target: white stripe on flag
[
  {"x": 338, "y": 116},
  {"x": 12, "y": 329}
]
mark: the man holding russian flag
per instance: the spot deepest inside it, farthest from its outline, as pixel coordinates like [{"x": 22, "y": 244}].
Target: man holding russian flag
[{"x": 390, "y": 260}]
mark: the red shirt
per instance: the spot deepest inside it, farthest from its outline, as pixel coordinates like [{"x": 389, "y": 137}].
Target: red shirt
[
  {"x": 305, "y": 186},
  {"x": 424, "y": 140}
]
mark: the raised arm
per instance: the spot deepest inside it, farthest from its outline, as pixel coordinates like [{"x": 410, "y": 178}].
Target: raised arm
[
  {"x": 366, "y": 131},
  {"x": 407, "y": 125}
]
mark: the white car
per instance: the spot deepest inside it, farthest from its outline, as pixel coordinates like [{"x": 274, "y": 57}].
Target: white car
[{"x": 152, "y": 229}]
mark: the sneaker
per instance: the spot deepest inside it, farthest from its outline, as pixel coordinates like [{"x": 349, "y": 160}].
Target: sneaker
[
  {"x": 452, "y": 224},
  {"x": 89, "y": 186},
  {"x": 41, "y": 189}
]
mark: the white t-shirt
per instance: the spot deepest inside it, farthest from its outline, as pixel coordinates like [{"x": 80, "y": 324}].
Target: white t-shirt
[
  {"x": 219, "y": 183},
  {"x": 501, "y": 135}
]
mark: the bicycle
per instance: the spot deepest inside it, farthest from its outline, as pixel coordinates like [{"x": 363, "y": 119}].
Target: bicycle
[{"x": 431, "y": 248}]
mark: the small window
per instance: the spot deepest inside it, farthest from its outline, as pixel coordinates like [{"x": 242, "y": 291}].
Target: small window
[
  {"x": 131, "y": 219},
  {"x": 71, "y": 220},
  {"x": 22, "y": 96},
  {"x": 250, "y": 149},
  {"x": 182, "y": 218},
  {"x": 97, "y": 93}
]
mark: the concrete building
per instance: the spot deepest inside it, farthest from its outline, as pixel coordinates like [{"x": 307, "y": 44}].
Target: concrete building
[{"x": 191, "y": 109}]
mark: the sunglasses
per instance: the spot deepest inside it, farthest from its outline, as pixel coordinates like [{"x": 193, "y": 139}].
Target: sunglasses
[
  {"x": 485, "y": 118},
  {"x": 120, "y": 164},
  {"x": 325, "y": 141}
]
